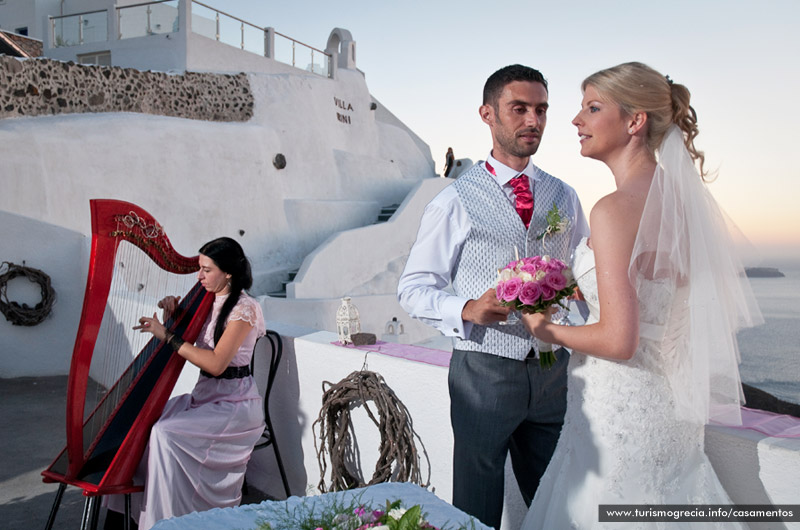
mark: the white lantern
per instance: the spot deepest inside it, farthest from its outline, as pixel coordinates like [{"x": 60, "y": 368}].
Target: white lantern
[{"x": 347, "y": 321}]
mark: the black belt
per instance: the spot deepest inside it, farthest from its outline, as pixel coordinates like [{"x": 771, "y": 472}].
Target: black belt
[
  {"x": 231, "y": 372},
  {"x": 531, "y": 354}
]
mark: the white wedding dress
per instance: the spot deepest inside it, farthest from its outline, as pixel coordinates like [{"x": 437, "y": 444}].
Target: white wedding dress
[{"x": 622, "y": 442}]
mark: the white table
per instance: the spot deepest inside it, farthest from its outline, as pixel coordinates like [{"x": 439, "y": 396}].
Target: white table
[{"x": 437, "y": 512}]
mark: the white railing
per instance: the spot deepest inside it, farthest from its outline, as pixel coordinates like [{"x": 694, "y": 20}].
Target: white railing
[
  {"x": 234, "y": 31},
  {"x": 147, "y": 18},
  {"x": 290, "y": 51},
  {"x": 79, "y": 28},
  {"x": 163, "y": 16}
]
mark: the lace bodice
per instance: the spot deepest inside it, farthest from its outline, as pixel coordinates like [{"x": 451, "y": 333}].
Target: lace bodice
[
  {"x": 246, "y": 309},
  {"x": 663, "y": 313}
]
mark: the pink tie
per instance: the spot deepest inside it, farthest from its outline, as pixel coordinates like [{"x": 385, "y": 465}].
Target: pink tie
[{"x": 522, "y": 192}]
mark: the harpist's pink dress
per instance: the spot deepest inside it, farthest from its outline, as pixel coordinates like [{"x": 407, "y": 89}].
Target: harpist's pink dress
[{"x": 199, "y": 448}]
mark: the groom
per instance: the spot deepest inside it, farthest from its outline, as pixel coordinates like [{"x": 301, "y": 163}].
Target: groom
[{"x": 501, "y": 399}]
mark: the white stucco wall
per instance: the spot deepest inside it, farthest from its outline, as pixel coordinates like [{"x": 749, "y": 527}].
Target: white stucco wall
[
  {"x": 61, "y": 254},
  {"x": 369, "y": 259},
  {"x": 205, "y": 179}
]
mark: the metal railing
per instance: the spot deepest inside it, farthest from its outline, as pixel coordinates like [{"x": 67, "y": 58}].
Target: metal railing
[
  {"x": 321, "y": 69},
  {"x": 147, "y": 18},
  {"x": 163, "y": 16},
  {"x": 79, "y": 28},
  {"x": 234, "y": 31}
]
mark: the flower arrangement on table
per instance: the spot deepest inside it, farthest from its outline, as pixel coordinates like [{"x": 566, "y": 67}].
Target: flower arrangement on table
[
  {"x": 354, "y": 516},
  {"x": 534, "y": 285}
]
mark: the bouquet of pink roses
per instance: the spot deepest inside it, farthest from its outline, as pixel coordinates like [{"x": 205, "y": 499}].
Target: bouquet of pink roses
[{"x": 533, "y": 285}]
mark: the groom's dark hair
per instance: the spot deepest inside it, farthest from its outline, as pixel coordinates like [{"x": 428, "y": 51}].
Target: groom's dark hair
[{"x": 515, "y": 72}]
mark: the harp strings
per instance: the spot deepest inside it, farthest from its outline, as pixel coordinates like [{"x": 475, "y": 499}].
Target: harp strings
[{"x": 137, "y": 286}]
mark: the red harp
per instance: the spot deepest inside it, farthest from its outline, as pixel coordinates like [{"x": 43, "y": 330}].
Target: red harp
[{"x": 132, "y": 264}]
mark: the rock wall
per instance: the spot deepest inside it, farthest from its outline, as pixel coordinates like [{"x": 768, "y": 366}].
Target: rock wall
[{"x": 35, "y": 87}]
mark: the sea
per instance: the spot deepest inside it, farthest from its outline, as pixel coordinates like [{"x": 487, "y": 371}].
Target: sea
[{"x": 771, "y": 352}]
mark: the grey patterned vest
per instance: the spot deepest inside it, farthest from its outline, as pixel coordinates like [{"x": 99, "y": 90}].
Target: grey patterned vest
[{"x": 496, "y": 230}]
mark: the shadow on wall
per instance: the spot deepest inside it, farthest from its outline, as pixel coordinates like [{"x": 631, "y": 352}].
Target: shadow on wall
[
  {"x": 46, "y": 348},
  {"x": 288, "y": 421}
]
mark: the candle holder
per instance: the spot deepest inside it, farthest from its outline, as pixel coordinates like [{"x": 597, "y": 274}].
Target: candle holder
[{"x": 347, "y": 321}]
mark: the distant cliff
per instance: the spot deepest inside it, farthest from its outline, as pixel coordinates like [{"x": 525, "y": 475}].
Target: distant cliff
[{"x": 763, "y": 272}]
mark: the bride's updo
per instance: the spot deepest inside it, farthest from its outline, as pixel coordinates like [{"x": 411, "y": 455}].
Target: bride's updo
[{"x": 636, "y": 87}]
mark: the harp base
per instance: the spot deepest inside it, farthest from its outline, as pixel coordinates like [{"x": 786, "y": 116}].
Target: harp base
[{"x": 91, "y": 507}]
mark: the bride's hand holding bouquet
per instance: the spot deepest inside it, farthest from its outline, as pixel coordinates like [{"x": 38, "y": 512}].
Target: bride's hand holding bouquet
[{"x": 536, "y": 286}]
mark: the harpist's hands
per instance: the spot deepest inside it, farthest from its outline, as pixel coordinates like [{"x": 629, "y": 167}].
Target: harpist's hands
[
  {"x": 152, "y": 325},
  {"x": 169, "y": 304},
  {"x": 485, "y": 310}
]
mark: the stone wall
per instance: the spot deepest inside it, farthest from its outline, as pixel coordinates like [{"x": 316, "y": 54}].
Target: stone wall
[{"x": 36, "y": 87}]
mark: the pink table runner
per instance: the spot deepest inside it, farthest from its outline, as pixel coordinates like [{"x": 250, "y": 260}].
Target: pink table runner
[
  {"x": 405, "y": 351},
  {"x": 769, "y": 423}
]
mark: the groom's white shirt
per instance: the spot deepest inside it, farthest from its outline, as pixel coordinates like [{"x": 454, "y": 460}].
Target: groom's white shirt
[{"x": 443, "y": 229}]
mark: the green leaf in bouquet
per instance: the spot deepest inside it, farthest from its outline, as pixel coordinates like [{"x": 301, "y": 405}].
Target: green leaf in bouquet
[{"x": 410, "y": 519}]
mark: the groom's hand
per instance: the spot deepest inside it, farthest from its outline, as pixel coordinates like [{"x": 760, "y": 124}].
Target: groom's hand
[{"x": 485, "y": 310}]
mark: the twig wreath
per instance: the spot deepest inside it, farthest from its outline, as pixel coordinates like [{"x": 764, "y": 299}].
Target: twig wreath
[
  {"x": 398, "y": 457},
  {"x": 22, "y": 315}
]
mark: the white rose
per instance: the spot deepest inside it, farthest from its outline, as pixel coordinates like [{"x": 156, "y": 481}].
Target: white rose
[
  {"x": 506, "y": 275},
  {"x": 526, "y": 276},
  {"x": 396, "y": 514},
  {"x": 540, "y": 275}
]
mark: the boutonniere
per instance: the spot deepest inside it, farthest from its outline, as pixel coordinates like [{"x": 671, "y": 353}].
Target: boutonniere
[{"x": 556, "y": 222}]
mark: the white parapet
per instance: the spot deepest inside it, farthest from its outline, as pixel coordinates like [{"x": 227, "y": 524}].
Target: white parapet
[{"x": 754, "y": 468}]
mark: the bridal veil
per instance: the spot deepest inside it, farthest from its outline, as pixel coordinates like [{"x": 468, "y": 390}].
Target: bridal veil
[{"x": 684, "y": 238}]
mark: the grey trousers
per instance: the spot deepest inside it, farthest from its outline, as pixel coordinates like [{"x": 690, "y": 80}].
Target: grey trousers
[{"x": 499, "y": 405}]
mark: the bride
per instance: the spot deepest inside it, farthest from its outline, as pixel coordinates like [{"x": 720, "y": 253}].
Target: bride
[{"x": 657, "y": 357}]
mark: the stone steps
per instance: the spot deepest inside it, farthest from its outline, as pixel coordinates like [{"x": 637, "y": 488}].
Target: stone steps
[{"x": 386, "y": 213}]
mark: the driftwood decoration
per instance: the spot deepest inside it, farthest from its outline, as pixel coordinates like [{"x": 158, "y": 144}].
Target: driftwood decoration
[
  {"x": 398, "y": 460},
  {"x": 20, "y": 314}
]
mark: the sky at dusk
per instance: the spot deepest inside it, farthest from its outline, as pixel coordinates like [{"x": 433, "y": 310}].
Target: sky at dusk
[{"x": 427, "y": 63}]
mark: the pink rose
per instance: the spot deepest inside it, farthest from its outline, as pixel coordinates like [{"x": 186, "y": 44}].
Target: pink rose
[
  {"x": 555, "y": 280},
  {"x": 498, "y": 291},
  {"x": 511, "y": 289},
  {"x": 530, "y": 268},
  {"x": 530, "y": 293},
  {"x": 548, "y": 293},
  {"x": 554, "y": 265}
]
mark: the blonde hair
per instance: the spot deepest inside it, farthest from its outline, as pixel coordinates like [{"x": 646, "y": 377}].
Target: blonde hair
[{"x": 636, "y": 87}]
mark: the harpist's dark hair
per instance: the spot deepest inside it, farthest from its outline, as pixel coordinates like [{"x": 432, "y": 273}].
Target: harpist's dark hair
[{"x": 229, "y": 256}]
